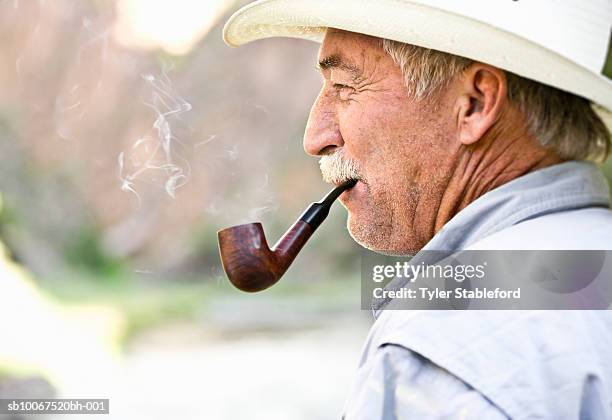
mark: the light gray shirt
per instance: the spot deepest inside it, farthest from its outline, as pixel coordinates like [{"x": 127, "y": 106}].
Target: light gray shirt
[{"x": 500, "y": 364}]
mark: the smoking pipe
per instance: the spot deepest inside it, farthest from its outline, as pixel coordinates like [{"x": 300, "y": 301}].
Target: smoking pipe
[{"x": 251, "y": 265}]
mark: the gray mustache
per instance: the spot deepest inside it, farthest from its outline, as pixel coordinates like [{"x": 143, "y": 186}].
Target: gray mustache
[{"x": 336, "y": 168}]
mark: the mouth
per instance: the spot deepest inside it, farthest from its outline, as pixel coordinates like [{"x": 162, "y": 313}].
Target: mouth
[
  {"x": 349, "y": 183},
  {"x": 354, "y": 193},
  {"x": 346, "y": 183}
]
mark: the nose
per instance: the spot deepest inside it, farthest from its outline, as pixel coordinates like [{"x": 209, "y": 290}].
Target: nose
[{"x": 322, "y": 133}]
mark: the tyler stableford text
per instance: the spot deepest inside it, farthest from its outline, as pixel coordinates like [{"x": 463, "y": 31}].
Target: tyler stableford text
[{"x": 457, "y": 293}]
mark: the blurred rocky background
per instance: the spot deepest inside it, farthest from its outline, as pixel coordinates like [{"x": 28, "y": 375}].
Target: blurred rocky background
[{"x": 130, "y": 134}]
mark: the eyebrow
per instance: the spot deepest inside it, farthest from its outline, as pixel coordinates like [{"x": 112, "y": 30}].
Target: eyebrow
[{"x": 335, "y": 61}]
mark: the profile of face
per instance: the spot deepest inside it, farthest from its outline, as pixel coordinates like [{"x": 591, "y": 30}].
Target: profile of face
[
  {"x": 418, "y": 162},
  {"x": 365, "y": 125}
]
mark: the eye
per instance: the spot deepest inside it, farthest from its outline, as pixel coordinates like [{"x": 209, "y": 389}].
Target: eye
[
  {"x": 341, "y": 86},
  {"x": 344, "y": 90}
]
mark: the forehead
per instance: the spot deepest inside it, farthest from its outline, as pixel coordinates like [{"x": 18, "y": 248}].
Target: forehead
[{"x": 352, "y": 47}]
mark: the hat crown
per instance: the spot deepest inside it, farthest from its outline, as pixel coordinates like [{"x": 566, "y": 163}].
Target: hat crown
[{"x": 577, "y": 30}]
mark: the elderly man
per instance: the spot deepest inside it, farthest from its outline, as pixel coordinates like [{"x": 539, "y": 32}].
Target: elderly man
[{"x": 467, "y": 125}]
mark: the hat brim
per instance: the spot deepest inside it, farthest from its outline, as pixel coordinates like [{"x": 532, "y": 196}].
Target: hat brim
[{"x": 423, "y": 26}]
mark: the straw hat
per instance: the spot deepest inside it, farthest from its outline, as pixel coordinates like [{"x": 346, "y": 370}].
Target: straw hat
[{"x": 561, "y": 43}]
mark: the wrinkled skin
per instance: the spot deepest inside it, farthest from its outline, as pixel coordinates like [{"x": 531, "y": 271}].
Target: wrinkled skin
[{"x": 420, "y": 162}]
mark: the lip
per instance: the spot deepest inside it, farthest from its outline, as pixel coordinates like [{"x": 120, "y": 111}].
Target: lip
[
  {"x": 338, "y": 183},
  {"x": 352, "y": 193}
]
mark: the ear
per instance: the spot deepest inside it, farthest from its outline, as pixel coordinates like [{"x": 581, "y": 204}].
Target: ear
[{"x": 482, "y": 95}]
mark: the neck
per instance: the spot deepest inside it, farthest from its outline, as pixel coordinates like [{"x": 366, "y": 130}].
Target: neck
[{"x": 501, "y": 156}]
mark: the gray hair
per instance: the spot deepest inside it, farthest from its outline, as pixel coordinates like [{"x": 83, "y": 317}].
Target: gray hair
[{"x": 561, "y": 121}]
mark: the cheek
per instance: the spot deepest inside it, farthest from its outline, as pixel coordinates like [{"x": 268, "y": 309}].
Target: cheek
[
  {"x": 355, "y": 126},
  {"x": 388, "y": 191},
  {"x": 374, "y": 131}
]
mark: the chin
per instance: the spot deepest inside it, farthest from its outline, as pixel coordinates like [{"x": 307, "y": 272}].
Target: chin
[{"x": 379, "y": 238}]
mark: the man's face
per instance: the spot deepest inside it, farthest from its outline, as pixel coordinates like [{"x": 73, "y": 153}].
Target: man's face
[{"x": 402, "y": 149}]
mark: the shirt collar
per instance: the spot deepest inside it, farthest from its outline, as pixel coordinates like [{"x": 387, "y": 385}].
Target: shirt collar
[{"x": 561, "y": 187}]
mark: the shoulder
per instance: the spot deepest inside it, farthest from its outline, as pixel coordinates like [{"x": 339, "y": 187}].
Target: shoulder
[
  {"x": 399, "y": 383},
  {"x": 511, "y": 359},
  {"x": 588, "y": 228}
]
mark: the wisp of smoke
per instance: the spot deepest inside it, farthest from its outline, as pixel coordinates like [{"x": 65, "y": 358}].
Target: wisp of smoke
[
  {"x": 159, "y": 151},
  {"x": 71, "y": 105},
  {"x": 127, "y": 181}
]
